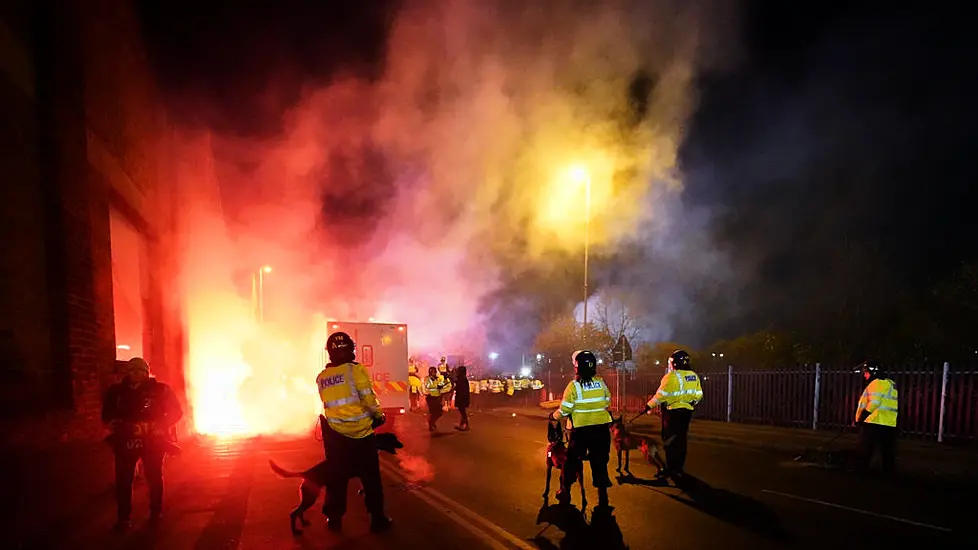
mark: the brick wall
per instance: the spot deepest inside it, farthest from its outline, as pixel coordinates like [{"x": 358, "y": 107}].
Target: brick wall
[
  {"x": 88, "y": 140},
  {"x": 24, "y": 336}
]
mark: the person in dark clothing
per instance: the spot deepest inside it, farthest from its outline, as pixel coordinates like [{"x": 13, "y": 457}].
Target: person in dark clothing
[
  {"x": 141, "y": 413},
  {"x": 462, "y": 398}
]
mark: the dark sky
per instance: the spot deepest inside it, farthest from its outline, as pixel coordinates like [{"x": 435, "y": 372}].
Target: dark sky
[{"x": 837, "y": 157}]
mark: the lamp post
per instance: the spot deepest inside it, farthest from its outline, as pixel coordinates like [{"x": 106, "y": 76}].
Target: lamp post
[
  {"x": 261, "y": 292},
  {"x": 581, "y": 174}
]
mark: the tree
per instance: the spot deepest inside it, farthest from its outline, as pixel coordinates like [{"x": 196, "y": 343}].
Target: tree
[
  {"x": 612, "y": 320},
  {"x": 563, "y": 335},
  {"x": 615, "y": 318}
]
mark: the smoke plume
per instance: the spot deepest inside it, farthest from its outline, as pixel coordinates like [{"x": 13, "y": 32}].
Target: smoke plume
[{"x": 451, "y": 193}]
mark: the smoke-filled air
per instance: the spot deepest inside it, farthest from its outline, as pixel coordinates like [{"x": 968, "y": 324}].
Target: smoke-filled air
[{"x": 489, "y": 141}]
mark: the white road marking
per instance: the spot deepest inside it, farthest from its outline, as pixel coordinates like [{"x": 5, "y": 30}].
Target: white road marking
[
  {"x": 857, "y": 510},
  {"x": 451, "y": 508}
]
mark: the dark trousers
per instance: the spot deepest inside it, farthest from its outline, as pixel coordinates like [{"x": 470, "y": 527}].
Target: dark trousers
[
  {"x": 591, "y": 441},
  {"x": 125, "y": 470},
  {"x": 463, "y": 417},
  {"x": 675, "y": 436},
  {"x": 347, "y": 458},
  {"x": 434, "y": 409},
  {"x": 872, "y": 436}
]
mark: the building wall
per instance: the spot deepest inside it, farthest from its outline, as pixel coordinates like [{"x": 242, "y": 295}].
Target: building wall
[{"x": 87, "y": 136}]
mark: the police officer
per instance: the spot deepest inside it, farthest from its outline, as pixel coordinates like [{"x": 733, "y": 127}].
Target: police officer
[
  {"x": 351, "y": 411},
  {"x": 435, "y": 386},
  {"x": 679, "y": 392},
  {"x": 876, "y": 416},
  {"x": 416, "y": 386},
  {"x": 141, "y": 413},
  {"x": 587, "y": 402}
]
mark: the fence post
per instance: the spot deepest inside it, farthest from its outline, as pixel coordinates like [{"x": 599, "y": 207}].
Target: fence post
[
  {"x": 940, "y": 422},
  {"x": 729, "y": 392},
  {"x": 818, "y": 387}
]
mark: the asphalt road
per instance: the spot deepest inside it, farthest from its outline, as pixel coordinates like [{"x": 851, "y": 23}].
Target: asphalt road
[{"x": 482, "y": 489}]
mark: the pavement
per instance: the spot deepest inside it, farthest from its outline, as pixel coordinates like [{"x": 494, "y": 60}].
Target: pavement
[
  {"x": 916, "y": 458},
  {"x": 482, "y": 489}
]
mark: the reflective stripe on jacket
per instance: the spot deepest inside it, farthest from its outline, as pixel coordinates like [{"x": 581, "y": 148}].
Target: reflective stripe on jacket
[
  {"x": 881, "y": 399},
  {"x": 678, "y": 389},
  {"x": 436, "y": 387},
  {"x": 349, "y": 403},
  {"x": 587, "y": 404}
]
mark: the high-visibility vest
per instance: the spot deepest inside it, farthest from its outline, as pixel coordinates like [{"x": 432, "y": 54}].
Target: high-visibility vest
[
  {"x": 349, "y": 403},
  {"x": 510, "y": 386},
  {"x": 587, "y": 404},
  {"x": 880, "y": 398},
  {"x": 436, "y": 387},
  {"x": 678, "y": 389},
  {"x": 416, "y": 385}
]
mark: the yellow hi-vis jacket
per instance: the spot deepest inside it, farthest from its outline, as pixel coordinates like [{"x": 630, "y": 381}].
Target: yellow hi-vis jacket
[
  {"x": 880, "y": 399},
  {"x": 586, "y": 404},
  {"x": 678, "y": 389},
  {"x": 436, "y": 387},
  {"x": 416, "y": 385},
  {"x": 349, "y": 403}
]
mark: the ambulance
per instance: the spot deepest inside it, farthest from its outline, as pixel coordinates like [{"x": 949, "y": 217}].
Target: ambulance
[{"x": 383, "y": 349}]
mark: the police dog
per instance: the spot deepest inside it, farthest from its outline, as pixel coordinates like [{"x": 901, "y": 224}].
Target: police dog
[
  {"x": 557, "y": 458},
  {"x": 625, "y": 442},
  {"x": 314, "y": 479}
]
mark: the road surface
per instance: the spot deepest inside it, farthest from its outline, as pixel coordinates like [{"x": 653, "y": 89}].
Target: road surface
[{"x": 482, "y": 489}]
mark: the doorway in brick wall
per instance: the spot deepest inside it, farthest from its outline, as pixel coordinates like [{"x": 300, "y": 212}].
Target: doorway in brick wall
[{"x": 128, "y": 247}]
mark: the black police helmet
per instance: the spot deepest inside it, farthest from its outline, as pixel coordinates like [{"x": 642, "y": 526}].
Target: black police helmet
[
  {"x": 340, "y": 344},
  {"x": 872, "y": 367},
  {"x": 585, "y": 362},
  {"x": 680, "y": 359}
]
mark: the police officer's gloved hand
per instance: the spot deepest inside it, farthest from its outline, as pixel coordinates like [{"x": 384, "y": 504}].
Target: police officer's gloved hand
[
  {"x": 648, "y": 409},
  {"x": 378, "y": 421},
  {"x": 863, "y": 416}
]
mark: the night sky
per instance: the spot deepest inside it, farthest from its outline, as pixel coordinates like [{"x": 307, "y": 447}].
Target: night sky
[{"x": 836, "y": 155}]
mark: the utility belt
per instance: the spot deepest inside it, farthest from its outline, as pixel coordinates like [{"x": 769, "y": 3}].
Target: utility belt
[{"x": 136, "y": 436}]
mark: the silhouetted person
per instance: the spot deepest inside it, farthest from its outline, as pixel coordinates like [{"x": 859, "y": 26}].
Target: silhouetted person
[
  {"x": 141, "y": 413},
  {"x": 462, "y": 398}
]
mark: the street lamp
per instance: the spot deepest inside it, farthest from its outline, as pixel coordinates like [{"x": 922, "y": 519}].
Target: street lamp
[
  {"x": 493, "y": 355},
  {"x": 261, "y": 291},
  {"x": 580, "y": 175},
  {"x": 539, "y": 357}
]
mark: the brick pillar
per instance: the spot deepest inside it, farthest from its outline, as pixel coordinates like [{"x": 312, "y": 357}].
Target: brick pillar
[{"x": 74, "y": 221}]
